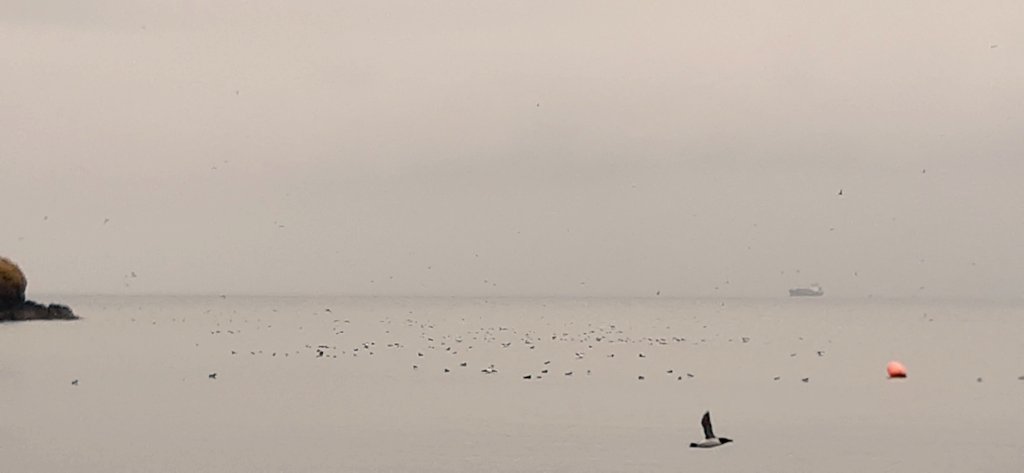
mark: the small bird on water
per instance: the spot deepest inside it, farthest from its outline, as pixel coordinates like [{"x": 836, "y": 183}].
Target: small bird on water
[{"x": 710, "y": 441}]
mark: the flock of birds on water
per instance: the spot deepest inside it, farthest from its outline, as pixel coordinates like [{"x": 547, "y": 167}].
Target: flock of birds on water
[{"x": 505, "y": 337}]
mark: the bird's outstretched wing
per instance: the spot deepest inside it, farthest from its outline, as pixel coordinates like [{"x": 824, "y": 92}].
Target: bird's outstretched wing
[{"x": 706, "y": 423}]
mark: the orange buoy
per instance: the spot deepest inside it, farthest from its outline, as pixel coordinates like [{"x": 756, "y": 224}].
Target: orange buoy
[{"x": 896, "y": 370}]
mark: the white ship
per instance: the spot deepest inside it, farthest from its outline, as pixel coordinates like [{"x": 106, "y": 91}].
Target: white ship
[{"x": 813, "y": 291}]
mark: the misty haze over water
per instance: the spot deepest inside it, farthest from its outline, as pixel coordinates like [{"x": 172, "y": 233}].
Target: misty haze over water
[{"x": 514, "y": 149}]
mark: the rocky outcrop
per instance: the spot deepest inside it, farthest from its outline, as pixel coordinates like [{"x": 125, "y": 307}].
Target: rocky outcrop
[{"x": 13, "y": 305}]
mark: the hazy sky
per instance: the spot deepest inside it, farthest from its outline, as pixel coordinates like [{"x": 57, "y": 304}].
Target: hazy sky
[{"x": 513, "y": 147}]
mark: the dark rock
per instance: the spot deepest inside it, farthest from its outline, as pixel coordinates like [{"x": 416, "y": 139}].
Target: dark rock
[{"x": 29, "y": 310}]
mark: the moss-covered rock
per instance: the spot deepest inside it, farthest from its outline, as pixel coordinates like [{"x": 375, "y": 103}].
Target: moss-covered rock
[{"x": 12, "y": 283}]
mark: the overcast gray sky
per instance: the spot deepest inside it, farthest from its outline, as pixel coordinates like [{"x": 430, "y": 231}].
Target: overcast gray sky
[{"x": 513, "y": 147}]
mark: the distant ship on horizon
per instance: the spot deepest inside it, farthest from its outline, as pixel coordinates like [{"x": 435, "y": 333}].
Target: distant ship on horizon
[{"x": 813, "y": 291}]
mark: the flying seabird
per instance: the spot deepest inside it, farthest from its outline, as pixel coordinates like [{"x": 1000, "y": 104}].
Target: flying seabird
[{"x": 710, "y": 440}]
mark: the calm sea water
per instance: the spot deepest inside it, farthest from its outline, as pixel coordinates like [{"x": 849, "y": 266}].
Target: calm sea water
[{"x": 378, "y": 384}]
